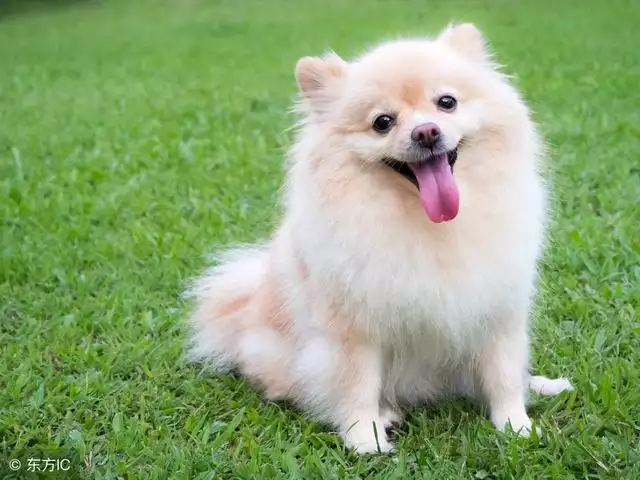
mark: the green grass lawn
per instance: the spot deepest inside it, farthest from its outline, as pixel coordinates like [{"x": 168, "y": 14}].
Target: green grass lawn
[{"x": 135, "y": 137}]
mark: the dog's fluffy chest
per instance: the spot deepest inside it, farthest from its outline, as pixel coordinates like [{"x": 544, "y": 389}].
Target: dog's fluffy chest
[
  {"x": 376, "y": 253},
  {"x": 396, "y": 279},
  {"x": 427, "y": 294}
]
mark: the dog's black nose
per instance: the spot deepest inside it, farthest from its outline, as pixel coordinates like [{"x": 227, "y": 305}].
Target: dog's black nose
[{"x": 426, "y": 135}]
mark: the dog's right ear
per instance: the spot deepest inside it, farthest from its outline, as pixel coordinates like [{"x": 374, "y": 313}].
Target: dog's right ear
[
  {"x": 467, "y": 40},
  {"x": 319, "y": 78}
]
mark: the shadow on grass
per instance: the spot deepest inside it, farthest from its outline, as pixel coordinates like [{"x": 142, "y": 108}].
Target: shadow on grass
[{"x": 10, "y": 8}]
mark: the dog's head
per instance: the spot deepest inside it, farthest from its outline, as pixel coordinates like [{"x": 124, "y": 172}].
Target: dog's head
[{"x": 417, "y": 106}]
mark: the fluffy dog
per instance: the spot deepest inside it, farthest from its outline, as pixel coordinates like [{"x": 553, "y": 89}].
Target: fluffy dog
[{"x": 404, "y": 266}]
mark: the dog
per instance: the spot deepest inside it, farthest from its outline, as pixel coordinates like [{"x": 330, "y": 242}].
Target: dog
[{"x": 404, "y": 266}]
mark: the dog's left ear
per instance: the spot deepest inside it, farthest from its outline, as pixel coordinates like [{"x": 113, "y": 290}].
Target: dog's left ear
[
  {"x": 317, "y": 73},
  {"x": 320, "y": 79},
  {"x": 465, "y": 39}
]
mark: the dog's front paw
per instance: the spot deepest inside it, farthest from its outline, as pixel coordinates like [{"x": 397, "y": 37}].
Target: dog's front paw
[
  {"x": 363, "y": 438},
  {"x": 391, "y": 418},
  {"x": 518, "y": 422}
]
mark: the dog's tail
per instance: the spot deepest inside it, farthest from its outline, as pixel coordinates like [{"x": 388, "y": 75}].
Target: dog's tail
[{"x": 223, "y": 298}]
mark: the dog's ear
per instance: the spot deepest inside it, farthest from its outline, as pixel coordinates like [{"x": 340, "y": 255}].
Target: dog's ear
[
  {"x": 319, "y": 77},
  {"x": 465, "y": 39}
]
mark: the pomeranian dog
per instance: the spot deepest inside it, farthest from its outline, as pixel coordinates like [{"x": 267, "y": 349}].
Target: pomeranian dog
[{"x": 404, "y": 266}]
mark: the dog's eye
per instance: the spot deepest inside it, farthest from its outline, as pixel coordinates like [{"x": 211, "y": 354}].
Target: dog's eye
[
  {"x": 447, "y": 103},
  {"x": 383, "y": 123}
]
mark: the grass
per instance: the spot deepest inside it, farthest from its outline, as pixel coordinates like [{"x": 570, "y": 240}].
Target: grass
[{"x": 137, "y": 136}]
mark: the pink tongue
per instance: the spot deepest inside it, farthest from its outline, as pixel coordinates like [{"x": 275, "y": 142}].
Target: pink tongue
[{"x": 438, "y": 190}]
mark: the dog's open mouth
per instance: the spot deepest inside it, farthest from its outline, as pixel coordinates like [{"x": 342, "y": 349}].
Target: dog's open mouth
[
  {"x": 436, "y": 184},
  {"x": 406, "y": 171}
]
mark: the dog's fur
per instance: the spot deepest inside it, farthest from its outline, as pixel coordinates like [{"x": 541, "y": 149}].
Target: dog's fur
[{"x": 360, "y": 305}]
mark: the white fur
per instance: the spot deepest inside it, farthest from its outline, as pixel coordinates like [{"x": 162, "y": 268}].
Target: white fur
[
  {"x": 549, "y": 386},
  {"x": 384, "y": 309},
  {"x": 239, "y": 272}
]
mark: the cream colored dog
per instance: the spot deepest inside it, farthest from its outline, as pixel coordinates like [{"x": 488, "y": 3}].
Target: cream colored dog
[{"x": 404, "y": 266}]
